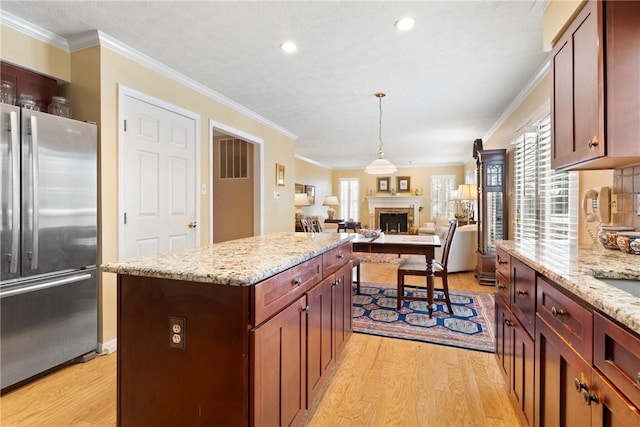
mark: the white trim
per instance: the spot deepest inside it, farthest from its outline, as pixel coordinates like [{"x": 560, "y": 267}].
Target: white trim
[
  {"x": 108, "y": 347},
  {"x": 25, "y": 27},
  {"x": 124, "y": 91},
  {"x": 522, "y": 95},
  {"x": 258, "y": 167},
  {"x": 313, "y": 162},
  {"x": 100, "y": 38}
]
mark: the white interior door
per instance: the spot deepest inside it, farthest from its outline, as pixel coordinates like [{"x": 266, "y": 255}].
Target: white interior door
[{"x": 159, "y": 179}]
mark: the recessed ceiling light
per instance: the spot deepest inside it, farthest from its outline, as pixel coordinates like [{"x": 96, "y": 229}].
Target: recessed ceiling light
[
  {"x": 404, "y": 24},
  {"x": 288, "y": 47}
]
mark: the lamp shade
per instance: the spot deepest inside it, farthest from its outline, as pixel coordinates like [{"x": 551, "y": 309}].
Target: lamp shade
[
  {"x": 381, "y": 166},
  {"x": 330, "y": 201},
  {"x": 301, "y": 199},
  {"x": 468, "y": 192}
]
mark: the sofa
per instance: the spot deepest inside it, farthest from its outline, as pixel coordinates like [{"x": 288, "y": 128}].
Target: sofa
[{"x": 462, "y": 256}]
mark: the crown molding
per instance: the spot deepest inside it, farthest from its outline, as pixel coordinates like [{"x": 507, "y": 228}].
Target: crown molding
[
  {"x": 25, "y": 27},
  {"x": 531, "y": 84},
  {"x": 99, "y": 38},
  {"x": 313, "y": 162}
]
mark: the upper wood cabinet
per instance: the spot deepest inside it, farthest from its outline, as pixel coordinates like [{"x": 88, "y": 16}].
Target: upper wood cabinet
[
  {"x": 595, "y": 92},
  {"x": 42, "y": 88}
]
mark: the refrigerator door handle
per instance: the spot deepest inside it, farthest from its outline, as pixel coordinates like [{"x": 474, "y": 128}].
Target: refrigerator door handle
[
  {"x": 46, "y": 285},
  {"x": 35, "y": 218},
  {"x": 15, "y": 192}
]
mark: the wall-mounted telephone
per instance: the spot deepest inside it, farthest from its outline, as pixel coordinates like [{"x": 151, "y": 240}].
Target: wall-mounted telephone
[{"x": 596, "y": 204}]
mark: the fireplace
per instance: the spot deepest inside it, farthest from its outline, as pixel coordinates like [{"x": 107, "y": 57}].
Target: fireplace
[
  {"x": 394, "y": 210},
  {"x": 393, "y": 222}
]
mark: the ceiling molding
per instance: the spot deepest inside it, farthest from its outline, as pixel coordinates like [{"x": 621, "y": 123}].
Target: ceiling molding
[
  {"x": 531, "y": 84},
  {"x": 313, "y": 162},
  {"x": 99, "y": 38},
  {"x": 27, "y": 28}
]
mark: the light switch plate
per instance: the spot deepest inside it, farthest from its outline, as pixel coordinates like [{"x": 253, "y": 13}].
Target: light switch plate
[{"x": 614, "y": 203}]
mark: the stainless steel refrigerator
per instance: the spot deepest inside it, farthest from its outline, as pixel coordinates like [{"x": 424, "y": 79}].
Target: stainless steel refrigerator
[{"x": 48, "y": 242}]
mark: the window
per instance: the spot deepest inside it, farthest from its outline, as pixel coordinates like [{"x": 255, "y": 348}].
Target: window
[
  {"x": 234, "y": 158},
  {"x": 349, "y": 199},
  {"x": 441, "y": 188},
  {"x": 545, "y": 200}
]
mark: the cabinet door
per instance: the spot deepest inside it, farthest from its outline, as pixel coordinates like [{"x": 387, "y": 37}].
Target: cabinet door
[
  {"x": 320, "y": 327},
  {"x": 343, "y": 303},
  {"x": 504, "y": 337},
  {"x": 522, "y": 384},
  {"x": 609, "y": 407},
  {"x": 577, "y": 97},
  {"x": 523, "y": 295},
  {"x": 278, "y": 359},
  {"x": 561, "y": 377}
]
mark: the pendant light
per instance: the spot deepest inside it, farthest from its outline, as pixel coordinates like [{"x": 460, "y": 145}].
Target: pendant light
[{"x": 380, "y": 166}]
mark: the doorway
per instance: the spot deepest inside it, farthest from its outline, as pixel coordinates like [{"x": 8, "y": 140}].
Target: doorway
[{"x": 236, "y": 203}]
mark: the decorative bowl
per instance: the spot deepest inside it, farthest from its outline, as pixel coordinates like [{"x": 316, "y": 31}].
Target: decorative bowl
[
  {"x": 607, "y": 235},
  {"x": 629, "y": 242},
  {"x": 369, "y": 232}
]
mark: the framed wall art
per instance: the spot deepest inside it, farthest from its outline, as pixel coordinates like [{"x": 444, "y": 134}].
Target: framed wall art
[
  {"x": 299, "y": 188},
  {"x": 279, "y": 175},
  {"x": 403, "y": 184},
  {"x": 383, "y": 184},
  {"x": 311, "y": 193}
]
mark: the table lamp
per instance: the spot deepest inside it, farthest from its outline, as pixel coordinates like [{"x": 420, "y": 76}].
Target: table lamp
[
  {"x": 468, "y": 193},
  {"x": 301, "y": 199},
  {"x": 331, "y": 201}
]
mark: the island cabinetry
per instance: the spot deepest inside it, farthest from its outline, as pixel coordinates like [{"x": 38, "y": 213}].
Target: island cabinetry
[
  {"x": 161, "y": 385},
  {"x": 515, "y": 348},
  {"x": 594, "y": 89},
  {"x": 523, "y": 294},
  {"x": 279, "y": 359}
]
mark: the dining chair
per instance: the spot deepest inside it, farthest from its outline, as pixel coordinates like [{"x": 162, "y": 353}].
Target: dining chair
[{"x": 418, "y": 267}]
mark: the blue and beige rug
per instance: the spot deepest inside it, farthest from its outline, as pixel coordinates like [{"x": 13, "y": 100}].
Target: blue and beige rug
[{"x": 470, "y": 327}]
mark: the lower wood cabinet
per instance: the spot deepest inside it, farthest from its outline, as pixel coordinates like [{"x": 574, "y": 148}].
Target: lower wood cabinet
[
  {"x": 279, "y": 359},
  {"x": 343, "y": 306},
  {"x": 516, "y": 355},
  {"x": 561, "y": 378},
  {"x": 609, "y": 408}
]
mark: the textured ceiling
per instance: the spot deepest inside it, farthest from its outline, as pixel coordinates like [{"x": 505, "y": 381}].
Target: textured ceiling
[{"x": 447, "y": 81}]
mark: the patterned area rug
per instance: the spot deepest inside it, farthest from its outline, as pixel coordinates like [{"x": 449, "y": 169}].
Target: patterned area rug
[{"x": 471, "y": 326}]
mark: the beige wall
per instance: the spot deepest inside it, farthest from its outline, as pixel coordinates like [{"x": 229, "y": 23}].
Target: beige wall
[
  {"x": 556, "y": 16},
  {"x": 95, "y": 74},
  {"x": 420, "y": 179},
  {"x": 307, "y": 173}
]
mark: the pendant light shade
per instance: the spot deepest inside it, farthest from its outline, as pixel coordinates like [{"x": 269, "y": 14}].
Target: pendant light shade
[{"x": 380, "y": 166}]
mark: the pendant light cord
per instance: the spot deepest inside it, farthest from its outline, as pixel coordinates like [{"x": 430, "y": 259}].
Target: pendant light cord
[{"x": 380, "y": 95}]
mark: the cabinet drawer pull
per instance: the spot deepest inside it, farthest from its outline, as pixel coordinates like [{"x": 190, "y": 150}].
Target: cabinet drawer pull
[
  {"x": 521, "y": 292},
  {"x": 297, "y": 282},
  {"x": 580, "y": 385},
  {"x": 338, "y": 282},
  {"x": 590, "y": 398},
  {"x": 593, "y": 143},
  {"x": 556, "y": 312},
  {"x": 340, "y": 255},
  {"x": 306, "y": 309},
  {"x": 508, "y": 322},
  {"x": 638, "y": 379},
  {"x": 502, "y": 262},
  {"x": 502, "y": 287}
]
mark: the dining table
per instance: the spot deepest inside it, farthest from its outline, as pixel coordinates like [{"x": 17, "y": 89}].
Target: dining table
[{"x": 403, "y": 244}]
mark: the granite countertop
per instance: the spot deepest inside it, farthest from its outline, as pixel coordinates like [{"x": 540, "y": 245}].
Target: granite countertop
[
  {"x": 575, "y": 268},
  {"x": 241, "y": 262}
]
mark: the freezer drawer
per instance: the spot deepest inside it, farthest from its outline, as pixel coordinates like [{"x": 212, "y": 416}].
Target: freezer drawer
[{"x": 45, "y": 323}]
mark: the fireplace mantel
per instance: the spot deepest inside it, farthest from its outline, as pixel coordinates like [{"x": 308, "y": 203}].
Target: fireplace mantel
[{"x": 394, "y": 202}]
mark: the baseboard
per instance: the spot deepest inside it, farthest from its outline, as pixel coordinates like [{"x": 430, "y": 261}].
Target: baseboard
[{"x": 108, "y": 347}]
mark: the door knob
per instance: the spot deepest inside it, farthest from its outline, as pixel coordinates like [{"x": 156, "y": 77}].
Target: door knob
[{"x": 193, "y": 224}]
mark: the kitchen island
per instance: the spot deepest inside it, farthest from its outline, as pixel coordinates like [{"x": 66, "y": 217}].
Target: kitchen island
[
  {"x": 241, "y": 333},
  {"x": 568, "y": 332}
]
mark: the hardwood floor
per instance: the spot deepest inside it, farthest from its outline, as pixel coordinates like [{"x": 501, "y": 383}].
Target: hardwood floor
[{"x": 378, "y": 382}]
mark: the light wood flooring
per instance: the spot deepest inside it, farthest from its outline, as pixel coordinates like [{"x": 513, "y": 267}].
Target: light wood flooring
[{"x": 378, "y": 382}]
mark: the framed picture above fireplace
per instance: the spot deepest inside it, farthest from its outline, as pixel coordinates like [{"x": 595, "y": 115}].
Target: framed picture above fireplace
[
  {"x": 403, "y": 184},
  {"x": 383, "y": 184}
]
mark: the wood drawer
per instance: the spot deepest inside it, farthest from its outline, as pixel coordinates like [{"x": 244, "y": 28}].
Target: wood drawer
[
  {"x": 523, "y": 294},
  {"x": 335, "y": 258},
  {"x": 503, "y": 264},
  {"x": 572, "y": 321},
  {"x": 616, "y": 353},
  {"x": 277, "y": 292},
  {"x": 503, "y": 286}
]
